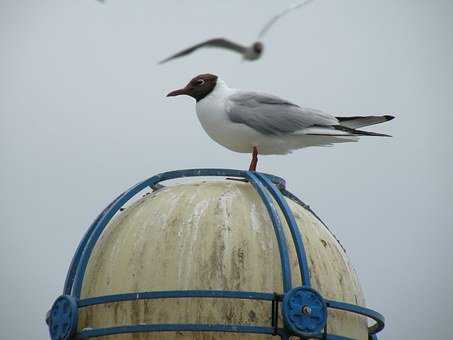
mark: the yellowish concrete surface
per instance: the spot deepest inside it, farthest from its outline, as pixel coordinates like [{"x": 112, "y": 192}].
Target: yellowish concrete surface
[{"x": 209, "y": 235}]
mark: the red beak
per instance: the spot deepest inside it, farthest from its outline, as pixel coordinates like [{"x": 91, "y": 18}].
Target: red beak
[{"x": 177, "y": 92}]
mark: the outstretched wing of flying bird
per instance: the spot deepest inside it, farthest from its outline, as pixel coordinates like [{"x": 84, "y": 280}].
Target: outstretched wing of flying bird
[
  {"x": 216, "y": 42},
  {"x": 277, "y": 17}
]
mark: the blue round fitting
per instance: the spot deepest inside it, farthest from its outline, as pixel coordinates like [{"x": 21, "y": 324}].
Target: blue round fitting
[
  {"x": 304, "y": 311},
  {"x": 63, "y": 318}
]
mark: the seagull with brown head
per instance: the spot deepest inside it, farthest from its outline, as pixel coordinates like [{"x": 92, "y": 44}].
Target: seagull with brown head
[{"x": 260, "y": 123}]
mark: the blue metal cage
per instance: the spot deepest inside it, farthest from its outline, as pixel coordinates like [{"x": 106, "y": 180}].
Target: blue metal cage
[{"x": 303, "y": 309}]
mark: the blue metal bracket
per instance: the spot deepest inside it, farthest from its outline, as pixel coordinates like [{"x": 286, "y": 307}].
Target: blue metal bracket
[
  {"x": 304, "y": 310},
  {"x": 62, "y": 318}
]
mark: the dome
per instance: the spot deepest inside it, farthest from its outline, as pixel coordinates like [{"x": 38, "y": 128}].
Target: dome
[{"x": 210, "y": 252}]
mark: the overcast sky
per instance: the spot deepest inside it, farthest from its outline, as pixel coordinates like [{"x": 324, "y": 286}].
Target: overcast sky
[{"x": 83, "y": 116}]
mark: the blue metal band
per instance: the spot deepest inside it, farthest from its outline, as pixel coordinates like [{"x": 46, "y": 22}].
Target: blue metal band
[
  {"x": 348, "y": 307},
  {"x": 177, "y": 294},
  {"x": 293, "y": 227},
  {"x": 232, "y": 295},
  {"x": 92, "y": 333},
  {"x": 97, "y": 332},
  {"x": 278, "y": 228}
]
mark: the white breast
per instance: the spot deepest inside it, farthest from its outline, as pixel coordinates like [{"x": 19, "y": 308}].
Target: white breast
[{"x": 214, "y": 119}]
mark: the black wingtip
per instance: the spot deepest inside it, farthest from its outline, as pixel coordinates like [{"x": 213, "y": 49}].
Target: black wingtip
[
  {"x": 357, "y": 132},
  {"x": 368, "y": 133},
  {"x": 388, "y": 117}
]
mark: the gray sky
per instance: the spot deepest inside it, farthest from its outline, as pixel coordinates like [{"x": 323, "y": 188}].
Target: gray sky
[{"x": 83, "y": 116}]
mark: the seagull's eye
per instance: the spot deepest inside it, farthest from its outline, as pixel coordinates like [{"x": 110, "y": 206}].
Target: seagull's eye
[{"x": 200, "y": 82}]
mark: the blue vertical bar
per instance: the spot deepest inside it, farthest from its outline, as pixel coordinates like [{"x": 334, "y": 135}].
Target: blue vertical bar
[
  {"x": 293, "y": 227},
  {"x": 281, "y": 240}
]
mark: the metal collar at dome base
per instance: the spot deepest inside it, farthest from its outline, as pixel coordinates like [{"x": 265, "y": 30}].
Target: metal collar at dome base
[{"x": 309, "y": 322}]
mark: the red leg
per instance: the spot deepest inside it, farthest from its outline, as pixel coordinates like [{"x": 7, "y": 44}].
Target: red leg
[{"x": 254, "y": 161}]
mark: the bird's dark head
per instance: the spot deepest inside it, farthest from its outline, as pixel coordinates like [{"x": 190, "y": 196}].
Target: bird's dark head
[
  {"x": 198, "y": 88},
  {"x": 258, "y": 47}
]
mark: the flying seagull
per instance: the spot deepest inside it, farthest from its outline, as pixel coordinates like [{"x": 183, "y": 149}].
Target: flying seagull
[
  {"x": 251, "y": 52},
  {"x": 259, "y": 123}
]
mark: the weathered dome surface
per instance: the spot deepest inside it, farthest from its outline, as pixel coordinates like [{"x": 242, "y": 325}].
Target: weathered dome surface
[{"x": 213, "y": 235}]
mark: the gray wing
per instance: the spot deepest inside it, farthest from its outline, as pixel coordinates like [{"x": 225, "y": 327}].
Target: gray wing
[
  {"x": 275, "y": 18},
  {"x": 272, "y": 115},
  {"x": 216, "y": 42}
]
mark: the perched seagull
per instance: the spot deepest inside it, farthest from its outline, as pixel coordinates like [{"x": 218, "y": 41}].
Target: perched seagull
[
  {"x": 254, "y": 122},
  {"x": 249, "y": 53}
]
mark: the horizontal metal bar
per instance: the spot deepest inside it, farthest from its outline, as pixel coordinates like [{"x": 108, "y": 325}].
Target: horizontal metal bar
[
  {"x": 92, "y": 333},
  {"x": 380, "y": 320},
  {"x": 177, "y": 294},
  {"x": 147, "y": 328},
  {"x": 348, "y": 307}
]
